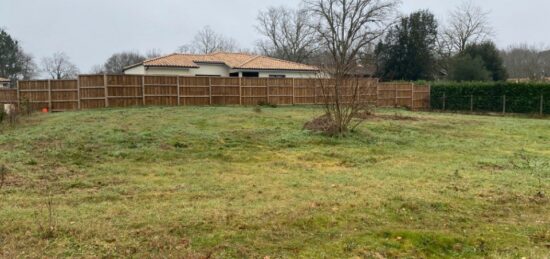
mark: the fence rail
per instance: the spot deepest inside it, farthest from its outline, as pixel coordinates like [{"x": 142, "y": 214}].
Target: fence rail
[{"x": 101, "y": 91}]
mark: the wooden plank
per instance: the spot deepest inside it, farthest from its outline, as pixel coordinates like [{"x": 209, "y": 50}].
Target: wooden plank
[
  {"x": 412, "y": 96},
  {"x": 35, "y": 91},
  {"x": 293, "y": 94},
  {"x": 161, "y": 95},
  {"x": 106, "y": 90},
  {"x": 178, "y": 91},
  {"x": 78, "y": 92},
  {"x": 18, "y": 95},
  {"x": 49, "y": 95},
  {"x": 541, "y": 104},
  {"x": 240, "y": 91},
  {"x": 143, "y": 89}
]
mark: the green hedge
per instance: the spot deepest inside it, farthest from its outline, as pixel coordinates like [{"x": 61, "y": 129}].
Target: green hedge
[{"x": 488, "y": 97}]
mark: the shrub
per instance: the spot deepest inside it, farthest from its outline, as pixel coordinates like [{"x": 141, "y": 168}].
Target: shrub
[{"x": 488, "y": 96}]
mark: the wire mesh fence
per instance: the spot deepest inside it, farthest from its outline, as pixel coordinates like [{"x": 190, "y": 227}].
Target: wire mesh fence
[{"x": 533, "y": 104}]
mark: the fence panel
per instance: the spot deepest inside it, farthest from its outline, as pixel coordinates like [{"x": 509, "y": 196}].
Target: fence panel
[
  {"x": 124, "y": 90},
  {"x": 100, "y": 91},
  {"x": 305, "y": 91},
  {"x": 35, "y": 94},
  {"x": 421, "y": 97},
  {"x": 92, "y": 91},
  {"x": 254, "y": 91},
  {"x": 64, "y": 95},
  {"x": 8, "y": 95},
  {"x": 194, "y": 90},
  {"x": 160, "y": 90},
  {"x": 225, "y": 91},
  {"x": 280, "y": 91}
]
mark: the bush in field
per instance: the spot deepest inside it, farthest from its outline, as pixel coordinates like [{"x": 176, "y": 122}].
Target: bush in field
[{"x": 537, "y": 167}]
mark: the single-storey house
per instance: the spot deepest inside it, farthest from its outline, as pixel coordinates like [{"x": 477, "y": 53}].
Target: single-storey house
[
  {"x": 222, "y": 64},
  {"x": 4, "y": 82}
]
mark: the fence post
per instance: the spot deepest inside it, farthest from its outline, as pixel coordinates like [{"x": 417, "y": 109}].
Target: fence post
[
  {"x": 143, "y": 89},
  {"x": 49, "y": 95},
  {"x": 267, "y": 90},
  {"x": 293, "y": 95},
  {"x": 429, "y": 97},
  {"x": 210, "y": 89},
  {"x": 178, "y": 90},
  {"x": 78, "y": 92},
  {"x": 106, "y": 90},
  {"x": 541, "y": 104},
  {"x": 240, "y": 91},
  {"x": 444, "y": 100},
  {"x": 471, "y": 103},
  {"x": 412, "y": 96},
  {"x": 377, "y": 93},
  {"x": 18, "y": 96},
  {"x": 315, "y": 92},
  {"x": 503, "y": 104},
  {"x": 395, "y": 102}
]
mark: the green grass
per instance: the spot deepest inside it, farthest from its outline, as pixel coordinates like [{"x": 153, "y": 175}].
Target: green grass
[{"x": 232, "y": 183}]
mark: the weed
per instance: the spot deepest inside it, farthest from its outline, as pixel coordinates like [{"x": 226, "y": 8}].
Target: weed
[
  {"x": 47, "y": 228},
  {"x": 3, "y": 174},
  {"x": 536, "y": 166}
]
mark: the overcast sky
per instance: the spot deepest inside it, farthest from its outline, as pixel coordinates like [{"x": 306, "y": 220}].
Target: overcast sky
[{"x": 89, "y": 31}]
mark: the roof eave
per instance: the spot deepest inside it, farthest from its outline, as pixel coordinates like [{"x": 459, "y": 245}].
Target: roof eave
[
  {"x": 278, "y": 69},
  {"x": 171, "y": 66}
]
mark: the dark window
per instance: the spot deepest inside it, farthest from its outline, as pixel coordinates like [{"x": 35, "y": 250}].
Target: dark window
[
  {"x": 236, "y": 74},
  {"x": 277, "y": 76},
  {"x": 251, "y": 74}
]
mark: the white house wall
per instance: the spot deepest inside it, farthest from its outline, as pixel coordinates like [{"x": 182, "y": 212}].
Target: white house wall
[
  {"x": 212, "y": 70},
  {"x": 139, "y": 70}
]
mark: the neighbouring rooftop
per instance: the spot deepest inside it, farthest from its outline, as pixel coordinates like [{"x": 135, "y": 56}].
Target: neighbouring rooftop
[{"x": 232, "y": 60}]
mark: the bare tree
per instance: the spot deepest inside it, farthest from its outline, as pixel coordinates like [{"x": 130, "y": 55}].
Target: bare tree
[
  {"x": 118, "y": 61},
  {"x": 207, "y": 41},
  {"x": 186, "y": 48},
  {"x": 468, "y": 24},
  {"x": 97, "y": 70},
  {"x": 289, "y": 34},
  {"x": 29, "y": 69},
  {"x": 527, "y": 62},
  {"x": 345, "y": 28},
  {"x": 59, "y": 66},
  {"x": 153, "y": 53}
]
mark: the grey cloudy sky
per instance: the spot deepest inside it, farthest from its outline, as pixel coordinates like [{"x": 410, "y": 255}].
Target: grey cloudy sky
[{"x": 89, "y": 31}]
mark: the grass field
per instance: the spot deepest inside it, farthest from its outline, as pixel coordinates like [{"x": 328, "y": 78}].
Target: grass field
[{"x": 234, "y": 183}]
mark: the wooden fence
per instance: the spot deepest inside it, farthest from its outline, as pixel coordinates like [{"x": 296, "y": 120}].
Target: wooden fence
[{"x": 101, "y": 91}]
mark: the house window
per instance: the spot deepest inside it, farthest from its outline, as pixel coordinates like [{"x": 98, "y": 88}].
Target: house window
[
  {"x": 251, "y": 74},
  {"x": 236, "y": 74},
  {"x": 277, "y": 76}
]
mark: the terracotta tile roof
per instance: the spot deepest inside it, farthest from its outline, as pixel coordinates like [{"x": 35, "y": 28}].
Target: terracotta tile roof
[{"x": 232, "y": 60}]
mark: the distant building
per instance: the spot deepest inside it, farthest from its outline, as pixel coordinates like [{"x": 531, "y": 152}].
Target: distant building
[
  {"x": 4, "y": 82},
  {"x": 222, "y": 64}
]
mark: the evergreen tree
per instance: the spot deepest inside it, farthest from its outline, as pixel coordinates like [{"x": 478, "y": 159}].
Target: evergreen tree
[
  {"x": 408, "y": 51},
  {"x": 492, "y": 60},
  {"x": 10, "y": 66},
  {"x": 465, "y": 68}
]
